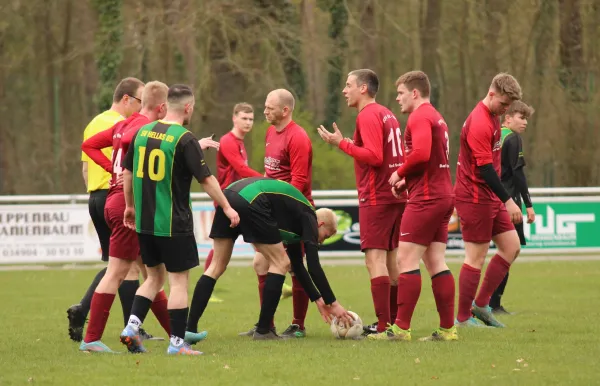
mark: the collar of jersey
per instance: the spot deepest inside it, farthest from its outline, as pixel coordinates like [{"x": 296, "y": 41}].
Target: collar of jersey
[{"x": 169, "y": 122}]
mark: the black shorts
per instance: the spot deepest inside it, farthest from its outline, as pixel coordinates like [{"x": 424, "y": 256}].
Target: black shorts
[
  {"x": 521, "y": 232},
  {"x": 96, "y": 204},
  {"x": 177, "y": 253},
  {"x": 256, "y": 223}
]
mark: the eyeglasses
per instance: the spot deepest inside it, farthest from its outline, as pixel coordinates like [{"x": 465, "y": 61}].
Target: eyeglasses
[{"x": 136, "y": 98}]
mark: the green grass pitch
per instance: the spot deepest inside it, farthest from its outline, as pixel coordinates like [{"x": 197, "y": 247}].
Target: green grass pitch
[{"x": 552, "y": 339}]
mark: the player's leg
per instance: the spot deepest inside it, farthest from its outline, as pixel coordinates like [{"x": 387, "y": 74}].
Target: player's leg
[
  {"x": 127, "y": 290},
  {"x": 150, "y": 249},
  {"x": 261, "y": 267},
  {"x": 508, "y": 247},
  {"x": 77, "y": 313},
  {"x": 158, "y": 307},
  {"x": 496, "y": 300},
  {"x": 101, "y": 304},
  {"x": 279, "y": 265},
  {"x": 443, "y": 287},
  {"x": 223, "y": 248},
  {"x": 375, "y": 260},
  {"x": 476, "y": 221},
  {"x": 394, "y": 272},
  {"x": 300, "y": 301}
]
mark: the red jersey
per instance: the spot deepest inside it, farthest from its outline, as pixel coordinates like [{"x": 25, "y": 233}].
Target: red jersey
[
  {"x": 426, "y": 166},
  {"x": 480, "y": 144},
  {"x": 377, "y": 151},
  {"x": 232, "y": 161},
  {"x": 119, "y": 137},
  {"x": 288, "y": 157}
]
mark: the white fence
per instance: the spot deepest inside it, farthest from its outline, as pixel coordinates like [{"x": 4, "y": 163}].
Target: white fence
[{"x": 57, "y": 228}]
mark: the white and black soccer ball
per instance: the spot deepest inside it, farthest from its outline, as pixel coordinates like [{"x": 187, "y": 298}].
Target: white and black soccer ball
[{"x": 353, "y": 332}]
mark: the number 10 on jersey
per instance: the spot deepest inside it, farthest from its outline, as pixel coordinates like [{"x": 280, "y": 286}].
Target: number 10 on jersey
[
  {"x": 395, "y": 138},
  {"x": 156, "y": 164}
]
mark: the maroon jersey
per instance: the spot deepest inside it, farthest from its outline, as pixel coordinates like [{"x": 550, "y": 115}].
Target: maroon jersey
[
  {"x": 232, "y": 161},
  {"x": 119, "y": 137},
  {"x": 480, "y": 144},
  {"x": 288, "y": 157},
  {"x": 377, "y": 151},
  {"x": 426, "y": 166}
]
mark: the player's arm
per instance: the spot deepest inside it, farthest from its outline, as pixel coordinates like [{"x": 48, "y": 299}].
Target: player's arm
[
  {"x": 371, "y": 153},
  {"x": 310, "y": 235},
  {"x": 128, "y": 176},
  {"x": 194, "y": 159},
  {"x": 300, "y": 150},
  {"x": 93, "y": 146},
  {"x": 418, "y": 158},
  {"x": 294, "y": 252},
  {"x": 514, "y": 153},
  {"x": 236, "y": 160},
  {"x": 479, "y": 139}
]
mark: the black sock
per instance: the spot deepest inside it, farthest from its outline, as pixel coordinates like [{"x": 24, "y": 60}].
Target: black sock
[
  {"x": 178, "y": 320},
  {"x": 127, "y": 292},
  {"x": 496, "y": 299},
  {"x": 141, "y": 306},
  {"x": 202, "y": 293},
  {"x": 271, "y": 295},
  {"x": 86, "y": 301}
]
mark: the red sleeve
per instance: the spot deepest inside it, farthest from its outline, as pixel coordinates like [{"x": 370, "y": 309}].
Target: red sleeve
[
  {"x": 300, "y": 150},
  {"x": 479, "y": 139},
  {"x": 420, "y": 130},
  {"x": 371, "y": 132},
  {"x": 93, "y": 148},
  {"x": 231, "y": 153},
  {"x": 128, "y": 137}
]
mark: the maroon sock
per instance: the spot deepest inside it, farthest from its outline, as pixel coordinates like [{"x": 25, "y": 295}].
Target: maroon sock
[
  {"x": 208, "y": 259},
  {"x": 159, "y": 309},
  {"x": 380, "y": 290},
  {"x": 300, "y": 301},
  {"x": 468, "y": 281},
  {"x": 99, "y": 311},
  {"x": 393, "y": 302},
  {"x": 494, "y": 274},
  {"x": 262, "y": 279},
  {"x": 409, "y": 290},
  {"x": 444, "y": 289}
]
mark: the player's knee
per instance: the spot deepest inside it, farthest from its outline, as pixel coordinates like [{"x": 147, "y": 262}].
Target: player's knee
[{"x": 260, "y": 265}]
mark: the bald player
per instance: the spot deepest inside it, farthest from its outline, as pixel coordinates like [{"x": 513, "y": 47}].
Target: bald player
[{"x": 288, "y": 157}]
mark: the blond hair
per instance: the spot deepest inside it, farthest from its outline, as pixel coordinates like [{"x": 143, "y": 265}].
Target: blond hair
[
  {"x": 506, "y": 84},
  {"x": 520, "y": 107},
  {"x": 415, "y": 80},
  {"x": 328, "y": 217},
  {"x": 155, "y": 93},
  {"x": 242, "y": 107}
]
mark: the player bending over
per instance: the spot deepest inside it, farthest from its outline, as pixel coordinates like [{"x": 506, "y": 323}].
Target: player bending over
[{"x": 272, "y": 213}]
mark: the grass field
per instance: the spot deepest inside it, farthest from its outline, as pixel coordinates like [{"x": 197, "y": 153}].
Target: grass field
[{"x": 551, "y": 341}]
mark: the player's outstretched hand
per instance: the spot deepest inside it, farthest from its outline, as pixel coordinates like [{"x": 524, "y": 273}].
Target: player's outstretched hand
[
  {"x": 233, "y": 216},
  {"x": 398, "y": 188},
  {"x": 516, "y": 216},
  {"x": 323, "y": 310},
  {"x": 331, "y": 138},
  {"x": 207, "y": 142},
  {"x": 343, "y": 316},
  {"x": 129, "y": 218},
  {"x": 530, "y": 215}
]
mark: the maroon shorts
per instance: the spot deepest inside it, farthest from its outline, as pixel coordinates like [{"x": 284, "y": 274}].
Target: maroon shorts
[
  {"x": 480, "y": 222},
  {"x": 124, "y": 242},
  {"x": 425, "y": 222},
  {"x": 380, "y": 226}
]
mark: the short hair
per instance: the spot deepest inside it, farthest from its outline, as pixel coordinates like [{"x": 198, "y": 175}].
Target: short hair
[
  {"x": 506, "y": 84},
  {"x": 178, "y": 95},
  {"x": 285, "y": 98},
  {"x": 415, "y": 80},
  {"x": 368, "y": 77},
  {"x": 127, "y": 86},
  {"x": 155, "y": 93},
  {"x": 519, "y": 107},
  {"x": 328, "y": 217},
  {"x": 242, "y": 107}
]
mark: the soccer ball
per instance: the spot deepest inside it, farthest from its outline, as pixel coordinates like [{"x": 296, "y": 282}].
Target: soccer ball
[{"x": 353, "y": 332}]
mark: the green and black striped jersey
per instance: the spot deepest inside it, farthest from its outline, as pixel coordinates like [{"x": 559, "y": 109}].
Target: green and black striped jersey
[
  {"x": 163, "y": 158},
  {"x": 295, "y": 216}
]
